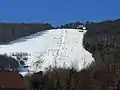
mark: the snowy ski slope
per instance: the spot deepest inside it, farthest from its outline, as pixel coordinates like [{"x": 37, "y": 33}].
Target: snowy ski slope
[{"x": 61, "y": 47}]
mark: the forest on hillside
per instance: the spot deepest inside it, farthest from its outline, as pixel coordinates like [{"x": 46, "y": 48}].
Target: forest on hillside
[
  {"x": 101, "y": 39},
  {"x": 13, "y": 31}
]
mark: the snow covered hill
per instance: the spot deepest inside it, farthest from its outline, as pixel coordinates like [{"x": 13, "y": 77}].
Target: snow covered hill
[{"x": 61, "y": 47}]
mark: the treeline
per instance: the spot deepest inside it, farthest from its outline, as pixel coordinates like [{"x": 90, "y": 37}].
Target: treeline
[
  {"x": 59, "y": 79},
  {"x": 71, "y": 25},
  {"x": 103, "y": 41},
  {"x": 12, "y": 31},
  {"x": 70, "y": 79},
  {"x": 103, "y": 37}
]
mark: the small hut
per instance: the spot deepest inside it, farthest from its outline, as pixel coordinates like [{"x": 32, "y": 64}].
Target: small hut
[{"x": 81, "y": 27}]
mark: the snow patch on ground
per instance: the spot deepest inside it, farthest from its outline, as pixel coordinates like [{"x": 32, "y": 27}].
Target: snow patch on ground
[{"x": 62, "y": 45}]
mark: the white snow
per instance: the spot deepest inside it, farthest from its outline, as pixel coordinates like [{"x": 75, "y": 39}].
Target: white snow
[{"x": 61, "y": 45}]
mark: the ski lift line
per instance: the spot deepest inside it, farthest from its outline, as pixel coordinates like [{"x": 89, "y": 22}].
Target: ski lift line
[
  {"x": 63, "y": 46},
  {"x": 60, "y": 45},
  {"x": 58, "y": 50}
]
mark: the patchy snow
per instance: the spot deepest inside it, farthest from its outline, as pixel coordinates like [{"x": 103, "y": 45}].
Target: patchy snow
[{"x": 61, "y": 47}]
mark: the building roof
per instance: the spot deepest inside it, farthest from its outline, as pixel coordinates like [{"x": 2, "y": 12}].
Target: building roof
[{"x": 11, "y": 80}]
